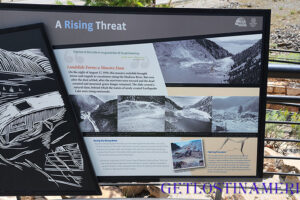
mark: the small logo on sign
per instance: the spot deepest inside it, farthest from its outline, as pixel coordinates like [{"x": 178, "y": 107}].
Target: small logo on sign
[
  {"x": 253, "y": 22},
  {"x": 241, "y": 22}
]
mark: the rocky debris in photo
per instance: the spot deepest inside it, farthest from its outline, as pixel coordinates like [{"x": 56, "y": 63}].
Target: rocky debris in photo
[
  {"x": 195, "y": 59},
  {"x": 234, "y": 112},
  {"x": 178, "y": 51},
  {"x": 188, "y": 155}
]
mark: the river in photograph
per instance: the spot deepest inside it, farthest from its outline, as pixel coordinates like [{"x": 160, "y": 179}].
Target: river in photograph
[
  {"x": 192, "y": 125},
  {"x": 210, "y": 72}
]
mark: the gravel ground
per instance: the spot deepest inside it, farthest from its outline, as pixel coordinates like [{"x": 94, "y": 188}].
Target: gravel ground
[{"x": 285, "y": 23}]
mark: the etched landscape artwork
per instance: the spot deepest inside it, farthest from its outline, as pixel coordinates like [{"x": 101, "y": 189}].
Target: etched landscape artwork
[
  {"x": 221, "y": 60},
  {"x": 36, "y": 140}
]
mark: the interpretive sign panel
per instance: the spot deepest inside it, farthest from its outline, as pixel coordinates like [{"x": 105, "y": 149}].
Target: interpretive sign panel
[{"x": 162, "y": 93}]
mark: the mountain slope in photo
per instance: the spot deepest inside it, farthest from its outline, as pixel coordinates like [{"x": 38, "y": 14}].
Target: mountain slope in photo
[
  {"x": 247, "y": 66},
  {"x": 188, "y": 118},
  {"x": 141, "y": 114},
  {"x": 215, "y": 50},
  {"x": 106, "y": 116},
  {"x": 94, "y": 114},
  {"x": 220, "y": 60},
  {"x": 195, "y": 60}
]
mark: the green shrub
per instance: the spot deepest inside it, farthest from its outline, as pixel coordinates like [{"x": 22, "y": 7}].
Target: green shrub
[
  {"x": 282, "y": 115},
  {"x": 119, "y": 3},
  {"x": 69, "y": 3},
  {"x": 57, "y": 2},
  {"x": 296, "y": 128},
  {"x": 126, "y": 3}
]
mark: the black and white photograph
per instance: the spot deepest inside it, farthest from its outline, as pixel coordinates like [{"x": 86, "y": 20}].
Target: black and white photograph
[
  {"x": 96, "y": 113},
  {"x": 219, "y": 60},
  {"x": 141, "y": 113},
  {"x": 235, "y": 114},
  {"x": 188, "y": 114},
  {"x": 38, "y": 142},
  {"x": 187, "y": 154}
]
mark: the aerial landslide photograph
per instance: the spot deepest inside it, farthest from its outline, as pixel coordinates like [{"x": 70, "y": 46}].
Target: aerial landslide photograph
[{"x": 219, "y": 60}]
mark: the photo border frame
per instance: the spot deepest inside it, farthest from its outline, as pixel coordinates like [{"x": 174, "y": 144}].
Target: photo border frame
[{"x": 202, "y": 151}]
